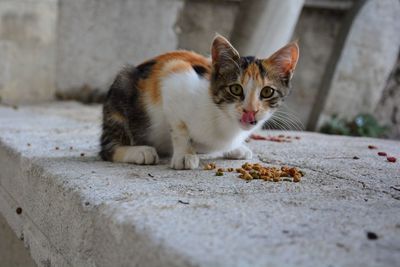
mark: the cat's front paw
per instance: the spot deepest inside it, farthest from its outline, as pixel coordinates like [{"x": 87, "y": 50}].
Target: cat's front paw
[
  {"x": 184, "y": 162},
  {"x": 142, "y": 155},
  {"x": 242, "y": 152}
]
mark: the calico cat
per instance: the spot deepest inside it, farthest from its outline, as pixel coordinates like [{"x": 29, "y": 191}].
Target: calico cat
[{"x": 182, "y": 103}]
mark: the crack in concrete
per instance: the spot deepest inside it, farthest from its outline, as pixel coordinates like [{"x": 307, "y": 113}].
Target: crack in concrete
[{"x": 364, "y": 186}]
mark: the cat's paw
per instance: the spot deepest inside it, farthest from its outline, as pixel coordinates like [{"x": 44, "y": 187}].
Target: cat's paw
[
  {"x": 242, "y": 152},
  {"x": 143, "y": 155},
  {"x": 184, "y": 162}
]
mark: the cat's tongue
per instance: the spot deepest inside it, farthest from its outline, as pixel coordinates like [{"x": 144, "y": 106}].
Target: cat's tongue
[{"x": 248, "y": 117}]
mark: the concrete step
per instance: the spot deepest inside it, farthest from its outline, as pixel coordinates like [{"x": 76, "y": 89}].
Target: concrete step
[{"x": 72, "y": 209}]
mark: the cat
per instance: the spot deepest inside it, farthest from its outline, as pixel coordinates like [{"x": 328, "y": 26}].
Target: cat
[{"x": 181, "y": 103}]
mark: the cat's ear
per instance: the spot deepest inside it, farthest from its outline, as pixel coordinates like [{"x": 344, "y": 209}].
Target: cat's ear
[
  {"x": 284, "y": 61},
  {"x": 224, "y": 55}
]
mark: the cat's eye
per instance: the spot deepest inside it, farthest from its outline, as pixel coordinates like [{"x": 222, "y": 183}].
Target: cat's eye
[
  {"x": 236, "y": 89},
  {"x": 267, "y": 92}
]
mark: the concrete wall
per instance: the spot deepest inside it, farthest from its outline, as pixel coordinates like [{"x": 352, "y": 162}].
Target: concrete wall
[
  {"x": 12, "y": 250},
  {"x": 317, "y": 31},
  {"x": 27, "y": 50},
  {"x": 388, "y": 109},
  {"x": 200, "y": 20},
  {"x": 97, "y": 37},
  {"x": 264, "y": 26},
  {"x": 364, "y": 62}
]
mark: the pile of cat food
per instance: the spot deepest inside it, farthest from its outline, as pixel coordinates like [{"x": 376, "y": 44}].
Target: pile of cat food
[{"x": 250, "y": 171}]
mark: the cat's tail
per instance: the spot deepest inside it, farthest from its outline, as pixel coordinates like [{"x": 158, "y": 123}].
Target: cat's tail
[{"x": 85, "y": 94}]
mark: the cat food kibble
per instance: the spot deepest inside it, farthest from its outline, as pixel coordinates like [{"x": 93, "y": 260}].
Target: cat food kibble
[
  {"x": 276, "y": 179},
  {"x": 246, "y": 176},
  {"x": 210, "y": 166},
  {"x": 250, "y": 171},
  {"x": 297, "y": 177},
  {"x": 391, "y": 159},
  {"x": 219, "y": 173}
]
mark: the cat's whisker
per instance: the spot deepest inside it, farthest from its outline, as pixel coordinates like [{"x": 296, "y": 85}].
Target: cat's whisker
[
  {"x": 290, "y": 117},
  {"x": 282, "y": 126},
  {"x": 287, "y": 113},
  {"x": 291, "y": 113},
  {"x": 286, "y": 125},
  {"x": 279, "y": 119},
  {"x": 267, "y": 126},
  {"x": 293, "y": 124}
]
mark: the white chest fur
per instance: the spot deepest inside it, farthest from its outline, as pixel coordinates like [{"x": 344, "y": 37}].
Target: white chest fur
[{"x": 186, "y": 98}]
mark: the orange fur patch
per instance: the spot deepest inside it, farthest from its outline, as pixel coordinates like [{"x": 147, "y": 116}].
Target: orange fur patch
[
  {"x": 173, "y": 62},
  {"x": 252, "y": 72},
  {"x": 183, "y": 127},
  {"x": 175, "y": 66},
  {"x": 254, "y": 102}
]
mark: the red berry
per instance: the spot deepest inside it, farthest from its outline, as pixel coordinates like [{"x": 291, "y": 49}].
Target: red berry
[
  {"x": 372, "y": 147},
  {"x": 382, "y": 154},
  {"x": 391, "y": 159}
]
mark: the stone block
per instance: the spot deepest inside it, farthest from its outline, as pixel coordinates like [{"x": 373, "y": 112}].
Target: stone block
[
  {"x": 199, "y": 21},
  {"x": 262, "y": 26},
  {"x": 12, "y": 250},
  {"x": 78, "y": 210},
  {"x": 367, "y": 58},
  {"x": 317, "y": 31},
  {"x": 27, "y": 50},
  {"x": 96, "y": 38},
  {"x": 388, "y": 109}
]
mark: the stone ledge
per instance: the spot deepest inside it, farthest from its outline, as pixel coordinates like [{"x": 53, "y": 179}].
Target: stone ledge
[{"x": 80, "y": 211}]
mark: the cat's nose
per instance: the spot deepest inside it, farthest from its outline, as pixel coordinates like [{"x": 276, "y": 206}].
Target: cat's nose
[
  {"x": 250, "y": 111},
  {"x": 249, "y": 117}
]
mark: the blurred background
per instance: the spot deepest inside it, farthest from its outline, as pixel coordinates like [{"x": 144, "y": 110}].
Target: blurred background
[{"x": 347, "y": 80}]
